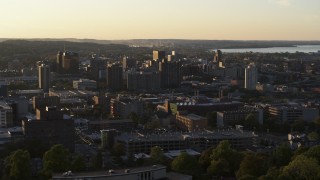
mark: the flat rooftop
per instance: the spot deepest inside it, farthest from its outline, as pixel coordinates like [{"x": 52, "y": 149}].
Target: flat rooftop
[
  {"x": 180, "y": 136},
  {"x": 115, "y": 172}
]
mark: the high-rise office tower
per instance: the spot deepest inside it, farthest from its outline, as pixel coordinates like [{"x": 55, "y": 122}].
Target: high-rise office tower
[
  {"x": 218, "y": 58},
  {"x": 218, "y": 55},
  {"x": 68, "y": 62},
  {"x": 170, "y": 74},
  {"x": 114, "y": 77},
  {"x": 128, "y": 63},
  {"x": 251, "y": 76},
  {"x": 98, "y": 67},
  {"x": 59, "y": 62},
  {"x": 44, "y": 76},
  {"x": 159, "y": 55}
]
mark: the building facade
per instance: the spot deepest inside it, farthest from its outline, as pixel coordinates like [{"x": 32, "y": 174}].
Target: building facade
[
  {"x": 44, "y": 76},
  {"x": 6, "y": 116},
  {"x": 251, "y": 77},
  {"x": 190, "y": 122},
  {"x": 137, "y": 81},
  {"x": 114, "y": 77},
  {"x": 83, "y": 84},
  {"x": 135, "y": 143}
]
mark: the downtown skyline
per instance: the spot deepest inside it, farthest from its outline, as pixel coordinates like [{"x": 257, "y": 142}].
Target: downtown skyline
[{"x": 175, "y": 19}]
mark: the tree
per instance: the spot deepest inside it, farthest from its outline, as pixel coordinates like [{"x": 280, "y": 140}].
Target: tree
[
  {"x": 220, "y": 167},
  {"x": 273, "y": 173},
  {"x": 251, "y": 121},
  {"x": 18, "y": 165},
  {"x": 78, "y": 163},
  {"x": 281, "y": 156},
  {"x": 204, "y": 160},
  {"x": 186, "y": 164},
  {"x": 153, "y": 124},
  {"x": 313, "y": 136},
  {"x": 302, "y": 168},
  {"x": 313, "y": 152},
  {"x": 224, "y": 151},
  {"x": 253, "y": 165},
  {"x": 56, "y": 159},
  {"x": 157, "y": 155}
]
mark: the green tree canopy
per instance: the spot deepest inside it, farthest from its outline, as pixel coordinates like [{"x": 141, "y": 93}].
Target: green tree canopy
[
  {"x": 56, "y": 159},
  {"x": 313, "y": 136},
  {"x": 18, "y": 165},
  {"x": 205, "y": 160},
  {"x": 313, "y": 152},
  {"x": 157, "y": 155},
  {"x": 224, "y": 151},
  {"x": 302, "y": 168},
  {"x": 253, "y": 165},
  {"x": 186, "y": 164},
  {"x": 251, "y": 121},
  {"x": 78, "y": 163},
  {"x": 220, "y": 167},
  {"x": 281, "y": 156}
]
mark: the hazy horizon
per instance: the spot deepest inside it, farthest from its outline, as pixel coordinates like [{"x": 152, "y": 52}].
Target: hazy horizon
[{"x": 244, "y": 20}]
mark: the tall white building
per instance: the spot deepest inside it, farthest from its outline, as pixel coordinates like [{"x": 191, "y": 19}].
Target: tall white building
[{"x": 251, "y": 76}]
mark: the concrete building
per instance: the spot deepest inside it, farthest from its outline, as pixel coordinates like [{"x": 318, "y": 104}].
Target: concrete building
[
  {"x": 6, "y": 115},
  {"x": 83, "y": 84},
  {"x": 114, "y": 77},
  {"x": 20, "y": 109},
  {"x": 147, "y": 81},
  {"x": 44, "y": 76},
  {"x": 128, "y": 63},
  {"x": 190, "y": 122},
  {"x": 155, "y": 172},
  {"x": 287, "y": 113},
  {"x": 68, "y": 62},
  {"x": 170, "y": 74},
  {"x": 50, "y": 128},
  {"x": 122, "y": 107},
  {"x": 140, "y": 142},
  {"x": 119, "y": 124},
  {"x": 231, "y": 118},
  {"x": 3, "y": 89},
  {"x": 203, "y": 108},
  {"x": 251, "y": 77},
  {"x": 159, "y": 55},
  {"x": 40, "y": 102},
  {"x": 98, "y": 67}
]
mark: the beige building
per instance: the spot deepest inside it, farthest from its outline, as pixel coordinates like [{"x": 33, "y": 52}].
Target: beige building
[{"x": 190, "y": 122}]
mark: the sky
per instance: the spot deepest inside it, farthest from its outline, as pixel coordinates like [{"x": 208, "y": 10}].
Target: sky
[{"x": 161, "y": 19}]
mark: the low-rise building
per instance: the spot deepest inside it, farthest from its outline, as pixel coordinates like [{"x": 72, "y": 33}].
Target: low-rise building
[
  {"x": 287, "y": 113},
  {"x": 83, "y": 84},
  {"x": 231, "y": 118},
  {"x": 138, "y": 142},
  {"x": 190, "y": 122},
  {"x": 123, "y": 106},
  {"x": 154, "y": 172}
]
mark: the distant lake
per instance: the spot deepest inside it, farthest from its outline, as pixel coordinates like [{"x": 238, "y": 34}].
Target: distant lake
[{"x": 299, "y": 48}]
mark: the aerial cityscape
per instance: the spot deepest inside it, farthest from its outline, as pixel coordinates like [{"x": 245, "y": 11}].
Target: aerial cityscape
[{"x": 156, "y": 90}]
